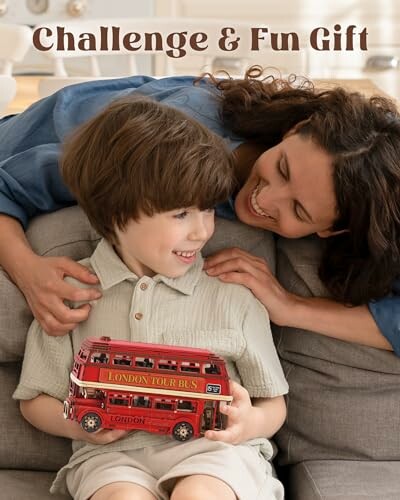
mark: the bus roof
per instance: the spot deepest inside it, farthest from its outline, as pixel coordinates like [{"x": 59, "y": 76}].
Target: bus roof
[{"x": 107, "y": 344}]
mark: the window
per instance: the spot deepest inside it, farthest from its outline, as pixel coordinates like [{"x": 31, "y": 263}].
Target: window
[
  {"x": 185, "y": 406},
  {"x": 189, "y": 366},
  {"x": 83, "y": 354},
  {"x": 122, "y": 360},
  {"x": 141, "y": 402},
  {"x": 100, "y": 357},
  {"x": 167, "y": 364},
  {"x": 119, "y": 399},
  {"x": 164, "y": 404},
  {"x": 144, "y": 362},
  {"x": 211, "y": 368}
]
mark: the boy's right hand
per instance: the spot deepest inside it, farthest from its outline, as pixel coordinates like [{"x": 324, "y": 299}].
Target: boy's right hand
[
  {"x": 41, "y": 280},
  {"x": 103, "y": 436}
]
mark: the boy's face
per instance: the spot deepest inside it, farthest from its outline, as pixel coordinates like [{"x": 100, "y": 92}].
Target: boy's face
[{"x": 166, "y": 243}]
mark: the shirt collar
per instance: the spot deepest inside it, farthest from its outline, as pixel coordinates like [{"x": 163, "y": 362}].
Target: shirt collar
[{"x": 111, "y": 270}]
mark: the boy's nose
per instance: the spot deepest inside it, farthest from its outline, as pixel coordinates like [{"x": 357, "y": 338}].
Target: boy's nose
[{"x": 198, "y": 232}]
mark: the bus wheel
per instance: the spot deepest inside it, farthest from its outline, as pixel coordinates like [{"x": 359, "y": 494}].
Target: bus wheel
[
  {"x": 91, "y": 422},
  {"x": 182, "y": 431}
]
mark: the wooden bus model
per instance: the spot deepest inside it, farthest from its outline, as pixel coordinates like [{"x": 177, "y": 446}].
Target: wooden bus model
[{"x": 163, "y": 389}]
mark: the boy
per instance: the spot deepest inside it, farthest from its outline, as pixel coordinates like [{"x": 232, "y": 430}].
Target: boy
[{"x": 147, "y": 176}]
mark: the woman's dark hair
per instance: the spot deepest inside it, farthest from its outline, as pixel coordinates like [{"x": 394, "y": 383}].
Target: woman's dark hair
[{"x": 363, "y": 137}]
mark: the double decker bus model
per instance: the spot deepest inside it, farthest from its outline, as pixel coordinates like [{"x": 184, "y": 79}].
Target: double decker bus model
[{"x": 157, "y": 388}]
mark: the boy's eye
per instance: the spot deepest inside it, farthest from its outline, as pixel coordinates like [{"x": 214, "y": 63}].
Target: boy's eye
[
  {"x": 209, "y": 210},
  {"x": 181, "y": 215}
]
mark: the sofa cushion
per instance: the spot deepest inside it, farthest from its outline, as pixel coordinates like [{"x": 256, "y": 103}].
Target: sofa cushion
[
  {"x": 22, "y": 446},
  {"x": 344, "y": 480},
  {"x": 343, "y": 401},
  {"x": 28, "y": 485}
]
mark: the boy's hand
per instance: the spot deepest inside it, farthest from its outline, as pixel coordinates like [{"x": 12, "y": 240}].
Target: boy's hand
[
  {"x": 102, "y": 436},
  {"x": 45, "y": 291},
  {"x": 240, "y": 418}
]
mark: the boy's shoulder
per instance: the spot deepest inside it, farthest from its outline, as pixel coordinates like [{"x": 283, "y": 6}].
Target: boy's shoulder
[
  {"x": 77, "y": 283},
  {"x": 237, "y": 296}
]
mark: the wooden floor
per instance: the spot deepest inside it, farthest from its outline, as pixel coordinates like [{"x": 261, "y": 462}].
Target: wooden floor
[{"x": 27, "y": 90}]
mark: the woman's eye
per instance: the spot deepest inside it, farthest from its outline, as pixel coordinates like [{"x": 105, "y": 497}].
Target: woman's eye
[
  {"x": 281, "y": 170},
  {"x": 181, "y": 215}
]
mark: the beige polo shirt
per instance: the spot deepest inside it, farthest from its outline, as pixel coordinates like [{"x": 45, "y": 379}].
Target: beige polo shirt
[{"x": 194, "y": 310}]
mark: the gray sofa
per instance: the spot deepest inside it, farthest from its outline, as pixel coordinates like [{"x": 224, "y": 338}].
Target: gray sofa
[{"x": 341, "y": 440}]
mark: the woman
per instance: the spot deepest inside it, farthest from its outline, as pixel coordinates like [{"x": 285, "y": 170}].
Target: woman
[{"x": 306, "y": 162}]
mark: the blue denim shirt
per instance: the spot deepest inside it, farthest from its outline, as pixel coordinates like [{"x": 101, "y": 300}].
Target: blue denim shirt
[
  {"x": 386, "y": 313},
  {"x": 30, "y": 182}
]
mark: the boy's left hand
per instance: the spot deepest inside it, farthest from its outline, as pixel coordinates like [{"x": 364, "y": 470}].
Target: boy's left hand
[{"x": 239, "y": 413}]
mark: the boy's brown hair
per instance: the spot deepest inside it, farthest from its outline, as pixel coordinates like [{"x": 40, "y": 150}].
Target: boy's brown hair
[{"x": 137, "y": 157}]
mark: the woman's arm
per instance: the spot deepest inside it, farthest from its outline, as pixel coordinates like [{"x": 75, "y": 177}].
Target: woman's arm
[
  {"x": 327, "y": 317},
  {"x": 323, "y": 316},
  {"x": 41, "y": 280},
  {"x": 46, "y": 414}
]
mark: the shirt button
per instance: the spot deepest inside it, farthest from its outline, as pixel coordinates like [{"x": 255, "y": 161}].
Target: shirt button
[
  {"x": 138, "y": 316},
  {"x": 143, "y": 286}
]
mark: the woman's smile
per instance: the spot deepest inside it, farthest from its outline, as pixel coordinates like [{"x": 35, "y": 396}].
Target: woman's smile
[{"x": 253, "y": 205}]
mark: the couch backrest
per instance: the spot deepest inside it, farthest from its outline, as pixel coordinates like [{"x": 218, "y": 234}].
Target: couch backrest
[{"x": 344, "y": 399}]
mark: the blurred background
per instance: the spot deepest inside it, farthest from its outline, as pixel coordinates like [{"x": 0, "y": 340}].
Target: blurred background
[{"x": 380, "y": 63}]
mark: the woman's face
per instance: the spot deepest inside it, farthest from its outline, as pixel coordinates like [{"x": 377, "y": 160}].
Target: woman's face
[{"x": 290, "y": 190}]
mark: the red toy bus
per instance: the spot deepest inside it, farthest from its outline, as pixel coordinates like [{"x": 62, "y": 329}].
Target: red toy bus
[{"x": 163, "y": 389}]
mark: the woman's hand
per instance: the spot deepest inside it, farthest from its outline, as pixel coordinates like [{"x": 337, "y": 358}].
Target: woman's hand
[
  {"x": 240, "y": 418},
  {"x": 234, "y": 265},
  {"x": 41, "y": 280}
]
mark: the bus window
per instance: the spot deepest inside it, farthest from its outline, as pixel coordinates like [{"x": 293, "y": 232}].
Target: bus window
[
  {"x": 189, "y": 366},
  {"x": 82, "y": 354},
  {"x": 211, "y": 368},
  {"x": 185, "y": 406},
  {"x": 164, "y": 404},
  {"x": 144, "y": 362},
  {"x": 141, "y": 402},
  {"x": 119, "y": 399},
  {"x": 100, "y": 357},
  {"x": 167, "y": 364},
  {"x": 122, "y": 359}
]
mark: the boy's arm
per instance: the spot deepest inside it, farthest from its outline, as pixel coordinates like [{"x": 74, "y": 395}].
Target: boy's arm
[
  {"x": 41, "y": 280},
  {"x": 269, "y": 416},
  {"x": 262, "y": 377},
  {"x": 46, "y": 414},
  {"x": 246, "y": 421}
]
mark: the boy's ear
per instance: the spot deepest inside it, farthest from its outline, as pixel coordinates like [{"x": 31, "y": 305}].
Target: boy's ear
[{"x": 327, "y": 233}]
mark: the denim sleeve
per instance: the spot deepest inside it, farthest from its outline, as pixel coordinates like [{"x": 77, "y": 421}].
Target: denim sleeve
[
  {"x": 30, "y": 143},
  {"x": 386, "y": 313},
  {"x": 24, "y": 195},
  {"x": 30, "y": 182}
]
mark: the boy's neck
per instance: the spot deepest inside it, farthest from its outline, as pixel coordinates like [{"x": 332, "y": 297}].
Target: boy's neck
[{"x": 136, "y": 267}]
